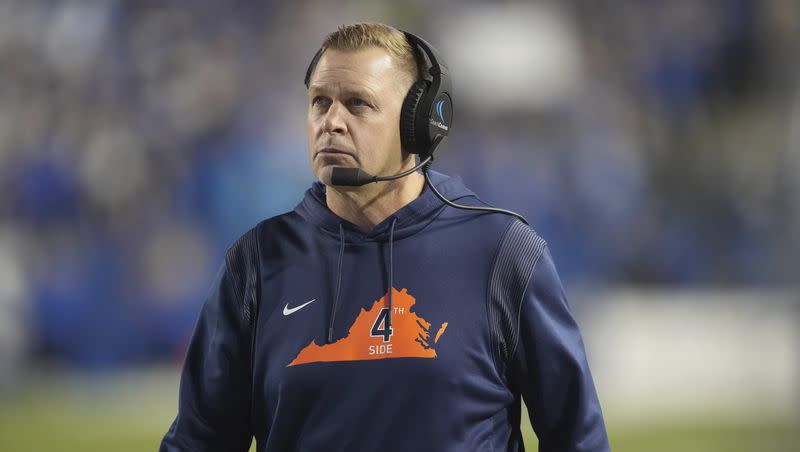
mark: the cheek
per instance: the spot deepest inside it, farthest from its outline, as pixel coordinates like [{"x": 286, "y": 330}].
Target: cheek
[
  {"x": 391, "y": 134},
  {"x": 310, "y": 126},
  {"x": 312, "y": 129},
  {"x": 309, "y": 136},
  {"x": 311, "y": 139}
]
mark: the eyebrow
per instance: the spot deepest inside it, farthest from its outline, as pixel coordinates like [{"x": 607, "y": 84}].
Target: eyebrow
[{"x": 347, "y": 92}]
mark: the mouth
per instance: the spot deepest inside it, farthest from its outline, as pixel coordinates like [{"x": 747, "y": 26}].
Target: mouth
[{"x": 332, "y": 153}]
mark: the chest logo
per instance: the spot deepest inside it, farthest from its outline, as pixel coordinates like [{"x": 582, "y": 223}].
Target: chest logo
[
  {"x": 409, "y": 336},
  {"x": 287, "y": 310}
]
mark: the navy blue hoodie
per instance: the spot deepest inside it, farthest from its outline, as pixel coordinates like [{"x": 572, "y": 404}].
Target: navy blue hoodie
[{"x": 301, "y": 344}]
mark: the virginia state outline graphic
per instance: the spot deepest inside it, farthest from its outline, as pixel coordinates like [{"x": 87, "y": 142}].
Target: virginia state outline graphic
[{"x": 410, "y": 335}]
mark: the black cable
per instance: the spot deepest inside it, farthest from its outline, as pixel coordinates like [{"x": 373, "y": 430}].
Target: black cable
[
  {"x": 421, "y": 164},
  {"x": 460, "y": 206}
]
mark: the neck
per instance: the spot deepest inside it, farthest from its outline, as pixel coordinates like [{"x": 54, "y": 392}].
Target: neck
[{"x": 370, "y": 204}]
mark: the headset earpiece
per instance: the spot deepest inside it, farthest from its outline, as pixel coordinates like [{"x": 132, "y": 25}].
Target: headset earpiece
[
  {"x": 411, "y": 139},
  {"x": 428, "y": 107}
]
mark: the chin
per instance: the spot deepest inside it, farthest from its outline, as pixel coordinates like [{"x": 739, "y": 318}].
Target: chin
[{"x": 324, "y": 174}]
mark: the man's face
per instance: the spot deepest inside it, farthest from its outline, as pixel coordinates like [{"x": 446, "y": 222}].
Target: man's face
[{"x": 354, "y": 102}]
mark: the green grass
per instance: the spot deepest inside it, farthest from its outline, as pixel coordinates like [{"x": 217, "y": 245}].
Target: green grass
[{"x": 132, "y": 413}]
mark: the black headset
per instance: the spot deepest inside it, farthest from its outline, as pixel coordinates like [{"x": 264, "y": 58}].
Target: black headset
[{"x": 427, "y": 112}]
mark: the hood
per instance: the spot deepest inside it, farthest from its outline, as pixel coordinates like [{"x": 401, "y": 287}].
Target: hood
[{"x": 409, "y": 219}]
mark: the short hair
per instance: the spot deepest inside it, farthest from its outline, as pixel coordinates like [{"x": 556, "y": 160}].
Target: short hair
[{"x": 369, "y": 34}]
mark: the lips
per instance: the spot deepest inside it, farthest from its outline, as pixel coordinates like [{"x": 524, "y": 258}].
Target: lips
[{"x": 334, "y": 151}]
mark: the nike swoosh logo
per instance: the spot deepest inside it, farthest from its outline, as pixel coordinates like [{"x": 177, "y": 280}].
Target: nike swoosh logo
[{"x": 287, "y": 310}]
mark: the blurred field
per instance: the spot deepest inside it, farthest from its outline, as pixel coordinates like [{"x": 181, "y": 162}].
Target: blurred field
[{"x": 131, "y": 412}]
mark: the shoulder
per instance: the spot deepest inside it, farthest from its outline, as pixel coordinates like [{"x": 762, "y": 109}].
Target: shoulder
[
  {"x": 519, "y": 250},
  {"x": 514, "y": 242},
  {"x": 496, "y": 227},
  {"x": 243, "y": 258},
  {"x": 520, "y": 245},
  {"x": 262, "y": 236}
]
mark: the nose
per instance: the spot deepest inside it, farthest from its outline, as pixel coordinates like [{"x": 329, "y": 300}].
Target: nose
[{"x": 334, "y": 122}]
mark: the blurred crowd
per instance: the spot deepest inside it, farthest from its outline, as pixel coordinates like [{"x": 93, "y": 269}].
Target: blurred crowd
[{"x": 139, "y": 139}]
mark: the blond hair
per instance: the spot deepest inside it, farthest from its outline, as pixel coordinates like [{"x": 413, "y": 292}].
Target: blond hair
[{"x": 364, "y": 35}]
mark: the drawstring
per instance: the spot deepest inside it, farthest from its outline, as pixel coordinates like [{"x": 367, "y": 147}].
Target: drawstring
[
  {"x": 391, "y": 274},
  {"x": 338, "y": 282},
  {"x": 339, "y": 278}
]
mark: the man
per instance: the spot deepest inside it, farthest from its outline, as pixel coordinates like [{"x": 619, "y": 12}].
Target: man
[{"x": 376, "y": 318}]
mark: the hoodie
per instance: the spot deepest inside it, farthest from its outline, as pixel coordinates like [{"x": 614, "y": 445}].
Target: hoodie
[{"x": 423, "y": 334}]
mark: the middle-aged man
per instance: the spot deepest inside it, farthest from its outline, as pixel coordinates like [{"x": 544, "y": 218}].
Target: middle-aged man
[{"x": 375, "y": 317}]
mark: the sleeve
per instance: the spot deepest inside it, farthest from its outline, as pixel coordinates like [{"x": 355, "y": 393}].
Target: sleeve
[
  {"x": 214, "y": 397},
  {"x": 537, "y": 345},
  {"x": 551, "y": 369}
]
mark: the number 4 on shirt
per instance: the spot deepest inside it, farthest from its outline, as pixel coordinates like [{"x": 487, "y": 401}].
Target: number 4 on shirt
[{"x": 380, "y": 328}]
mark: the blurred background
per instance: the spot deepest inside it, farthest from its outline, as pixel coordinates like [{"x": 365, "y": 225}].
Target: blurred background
[{"x": 655, "y": 145}]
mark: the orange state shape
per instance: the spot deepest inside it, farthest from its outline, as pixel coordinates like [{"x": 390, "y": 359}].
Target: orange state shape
[
  {"x": 440, "y": 332},
  {"x": 410, "y": 338}
]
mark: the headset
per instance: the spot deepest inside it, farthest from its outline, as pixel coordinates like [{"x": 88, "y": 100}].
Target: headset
[{"x": 425, "y": 121}]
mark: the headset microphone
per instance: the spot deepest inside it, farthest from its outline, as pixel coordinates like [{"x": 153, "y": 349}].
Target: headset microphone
[{"x": 356, "y": 177}]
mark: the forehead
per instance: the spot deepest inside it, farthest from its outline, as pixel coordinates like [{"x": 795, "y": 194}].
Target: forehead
[{"x": 371, "y": 68}]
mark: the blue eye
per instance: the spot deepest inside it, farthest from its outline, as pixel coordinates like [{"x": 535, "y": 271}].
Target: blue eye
[
  {"x": 356, "y": 102},
  {"x": 319, "y": 100}
]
